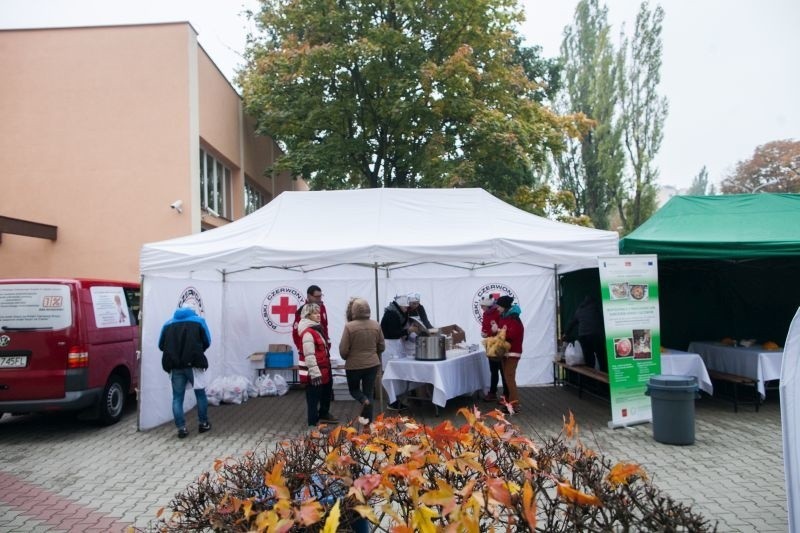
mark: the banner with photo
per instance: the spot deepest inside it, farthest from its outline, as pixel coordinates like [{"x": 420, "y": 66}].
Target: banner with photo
[{"x": 629, "y": 286}]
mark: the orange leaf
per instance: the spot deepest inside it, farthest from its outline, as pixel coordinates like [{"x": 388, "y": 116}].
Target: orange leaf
[
  {"x": 310, "y": 512},
  {"x": 498, "y": 490},
  {"x": 621, "y": 472},
  {"x": 570, "y": 429},
  {"x": 367, "y": 483},
  {"x": 159, "y": 512},
  {"x": 529, "y": 506},
  {"x": 577, "y": 497}
]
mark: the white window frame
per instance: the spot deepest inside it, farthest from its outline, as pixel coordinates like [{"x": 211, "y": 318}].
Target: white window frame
[
  {"x": 254, "y": 197},
  {"x": 215, "y": 185}
]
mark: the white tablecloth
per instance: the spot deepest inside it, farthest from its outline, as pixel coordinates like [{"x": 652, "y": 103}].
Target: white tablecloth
[
  {"x": 679, "y": 363},
  {"x": 451, "y": 377},
  {"x": 753, "y": 362}
]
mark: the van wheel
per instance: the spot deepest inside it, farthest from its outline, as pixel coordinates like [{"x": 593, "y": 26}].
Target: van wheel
[{"x": 113, "y": 401}]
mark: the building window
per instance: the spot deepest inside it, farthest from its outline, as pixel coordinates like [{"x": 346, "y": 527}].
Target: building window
[
  {"x": 254, "y": 197},
  {"x": 215, "y": 186}
]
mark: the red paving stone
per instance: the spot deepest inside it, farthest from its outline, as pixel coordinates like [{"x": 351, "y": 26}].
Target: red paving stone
[{"x": 56, "y": 511}]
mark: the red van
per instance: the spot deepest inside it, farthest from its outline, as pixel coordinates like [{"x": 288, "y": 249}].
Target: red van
[{"x": 68, "y": 344}]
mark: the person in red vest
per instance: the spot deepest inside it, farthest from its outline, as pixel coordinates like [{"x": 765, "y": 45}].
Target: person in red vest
[
  {"x": 491, "y": 315},
  {"x": 313, "y": 296},
  {"x": 315, "y": 366},
  {"x": 515, "y": 334}
]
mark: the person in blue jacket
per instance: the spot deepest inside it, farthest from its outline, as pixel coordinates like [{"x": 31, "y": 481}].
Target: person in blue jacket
[{"x": 183, "y": 341}]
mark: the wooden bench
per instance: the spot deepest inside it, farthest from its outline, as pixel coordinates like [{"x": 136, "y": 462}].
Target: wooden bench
[
  {"x": 562, "y": 371},
  {"x": 736, "y": 381}
]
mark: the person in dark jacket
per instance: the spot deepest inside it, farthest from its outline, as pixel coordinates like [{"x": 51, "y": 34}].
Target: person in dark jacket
[
  {"x": 416, "y": 310},
  {"x": 588, "y": 323},
  {"x": 183, "y": 341}
]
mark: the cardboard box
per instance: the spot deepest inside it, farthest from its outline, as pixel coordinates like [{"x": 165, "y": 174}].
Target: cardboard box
[
  {"x": 455, "y": 331},
  {"x": 258, "y": 357},
  {"x": 279, "y": 348}
]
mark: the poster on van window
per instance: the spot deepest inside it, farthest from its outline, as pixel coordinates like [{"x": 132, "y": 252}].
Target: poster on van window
[
  {"x": 35, "y": 306},
  {"x": 629, "y": 286},
  {"x": 110, "y": 307}
]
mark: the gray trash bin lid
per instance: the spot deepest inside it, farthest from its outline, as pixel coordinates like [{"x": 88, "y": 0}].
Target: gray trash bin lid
[{"x": 662, "y": 382}]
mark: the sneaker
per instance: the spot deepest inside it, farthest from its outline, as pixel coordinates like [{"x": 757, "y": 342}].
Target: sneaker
[
  {"x": 205, "y": 426},
  {"x": 328, "y": 419},
  {"x": 491, "y": 397},
  {"x": 396, "y": 406},
  {"x": 183, "y": 433}
]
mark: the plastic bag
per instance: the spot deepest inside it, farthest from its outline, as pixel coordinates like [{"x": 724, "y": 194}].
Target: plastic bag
[
  {"x": 573, "y": 354},
  {"x": 281, "y": 386},
  {"x": 266, "y": 385}
]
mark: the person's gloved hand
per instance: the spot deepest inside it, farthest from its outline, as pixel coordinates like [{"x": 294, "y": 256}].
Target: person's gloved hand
[{"x": 316, "y": 381}]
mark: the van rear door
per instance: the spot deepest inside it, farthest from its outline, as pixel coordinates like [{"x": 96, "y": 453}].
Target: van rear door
[{"x": 37, "y": 329}]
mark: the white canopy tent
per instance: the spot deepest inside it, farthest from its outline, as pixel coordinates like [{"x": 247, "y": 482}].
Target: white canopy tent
[{"x": 452, "y": 246}]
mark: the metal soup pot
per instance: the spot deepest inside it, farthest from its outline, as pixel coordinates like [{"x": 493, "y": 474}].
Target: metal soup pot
[{"x": 431, "y": 348}]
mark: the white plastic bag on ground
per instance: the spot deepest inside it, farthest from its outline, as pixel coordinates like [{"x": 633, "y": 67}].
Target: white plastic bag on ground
[
  {"x": 573, "y": 354},
  {"x": 266, "y": 385},
  {"x": 281, "y": 386}
]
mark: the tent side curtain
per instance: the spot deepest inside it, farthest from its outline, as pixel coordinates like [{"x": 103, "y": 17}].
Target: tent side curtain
[{"x": 720, "y": 227}]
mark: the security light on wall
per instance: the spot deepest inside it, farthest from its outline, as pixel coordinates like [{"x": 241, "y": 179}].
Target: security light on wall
[{"x": 177, "y": 205}]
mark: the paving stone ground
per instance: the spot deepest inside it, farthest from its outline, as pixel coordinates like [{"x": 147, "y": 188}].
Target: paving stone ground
[{"x": 58, "y": 474}]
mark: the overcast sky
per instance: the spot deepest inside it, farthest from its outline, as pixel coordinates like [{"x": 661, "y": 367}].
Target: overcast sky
[{"x": 730, "y": 68}]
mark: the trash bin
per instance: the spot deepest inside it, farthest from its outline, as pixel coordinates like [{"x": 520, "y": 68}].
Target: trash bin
[{"x": 672, "y": 399}]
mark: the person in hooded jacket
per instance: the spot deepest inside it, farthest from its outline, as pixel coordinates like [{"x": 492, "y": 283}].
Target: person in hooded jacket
[
  {"x": 515, "y": 334},
  {"x": 361, "y": 347},
  {"x": 183, "y": 341},
  {"x": 491, "y": 315},
  {"x": 315, "y": 367}
]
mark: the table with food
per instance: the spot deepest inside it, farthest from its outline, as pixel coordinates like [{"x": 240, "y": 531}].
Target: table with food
[
  {"x": 758, "y": 361},
  {"x": 444, "y": 368}
]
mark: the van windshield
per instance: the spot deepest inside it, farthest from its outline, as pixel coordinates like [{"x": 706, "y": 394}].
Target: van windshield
[{"x": 35, "y": 306}]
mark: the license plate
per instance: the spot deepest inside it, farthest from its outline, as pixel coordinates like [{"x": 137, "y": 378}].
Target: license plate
[{"x": 13, "y": 361}]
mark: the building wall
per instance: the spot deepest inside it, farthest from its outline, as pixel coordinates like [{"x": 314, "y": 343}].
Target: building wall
[{"x": 100, "y": 133}]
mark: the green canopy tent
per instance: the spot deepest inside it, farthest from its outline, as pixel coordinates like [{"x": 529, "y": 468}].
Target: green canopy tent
[{"x": 728, "y": 266}]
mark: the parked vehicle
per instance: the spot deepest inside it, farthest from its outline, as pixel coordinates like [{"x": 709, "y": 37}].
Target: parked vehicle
[{"x": 68, "y": 344}]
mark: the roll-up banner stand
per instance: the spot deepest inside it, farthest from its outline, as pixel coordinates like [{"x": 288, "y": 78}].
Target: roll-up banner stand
[{"x": 629, "y": 287}]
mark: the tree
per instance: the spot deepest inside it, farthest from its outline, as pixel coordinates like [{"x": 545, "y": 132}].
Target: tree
[
  {"x": 399, "y": 93},
  {"x": 699, "y": 183},
  {"x": 774, "y": 167},
  {"x": 643, "y": 114},
  {"x": 591, "y": 167}
]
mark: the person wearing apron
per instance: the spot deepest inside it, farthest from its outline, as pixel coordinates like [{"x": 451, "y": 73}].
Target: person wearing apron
[{"x": 394, "y": 325}]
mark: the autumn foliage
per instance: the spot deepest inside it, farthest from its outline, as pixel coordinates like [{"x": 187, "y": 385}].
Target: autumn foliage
[{"x": 398, "y": 476}]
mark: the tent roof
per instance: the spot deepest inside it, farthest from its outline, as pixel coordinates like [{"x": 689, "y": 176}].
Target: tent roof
[
  {"x": 720, "y": 227},
  {"x": 381, "y": 226}
]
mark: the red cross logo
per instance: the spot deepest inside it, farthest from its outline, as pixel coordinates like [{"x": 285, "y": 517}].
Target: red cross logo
[{"x": 284, "y": 310}]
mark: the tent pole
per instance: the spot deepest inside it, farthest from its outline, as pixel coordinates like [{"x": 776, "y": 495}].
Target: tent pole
[
  {"x": 139, "y": 320},
  {"x": 558, "y": 310},
  {"x": 379, "y": 378}
]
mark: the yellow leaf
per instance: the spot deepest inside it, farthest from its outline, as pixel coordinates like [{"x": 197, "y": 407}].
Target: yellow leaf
[
  {"x": 247, "y": 508},
  {"x": 443, "y": 497},
  {"x": 366, "y": 511},
  {"x": 332, "y": 522},
  {"x": 421, "y": 519}
]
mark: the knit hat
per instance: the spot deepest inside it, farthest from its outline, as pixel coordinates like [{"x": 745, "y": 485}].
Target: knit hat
[
  {"x": 401, "y": 300},
  {"x": 413, "y": 297},
  {"x": 487, "y": 301},
  {"x": 505, "y": 302}
]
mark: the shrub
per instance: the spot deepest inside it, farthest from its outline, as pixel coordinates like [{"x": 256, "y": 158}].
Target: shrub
[{"x": 399, "y": 476}]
